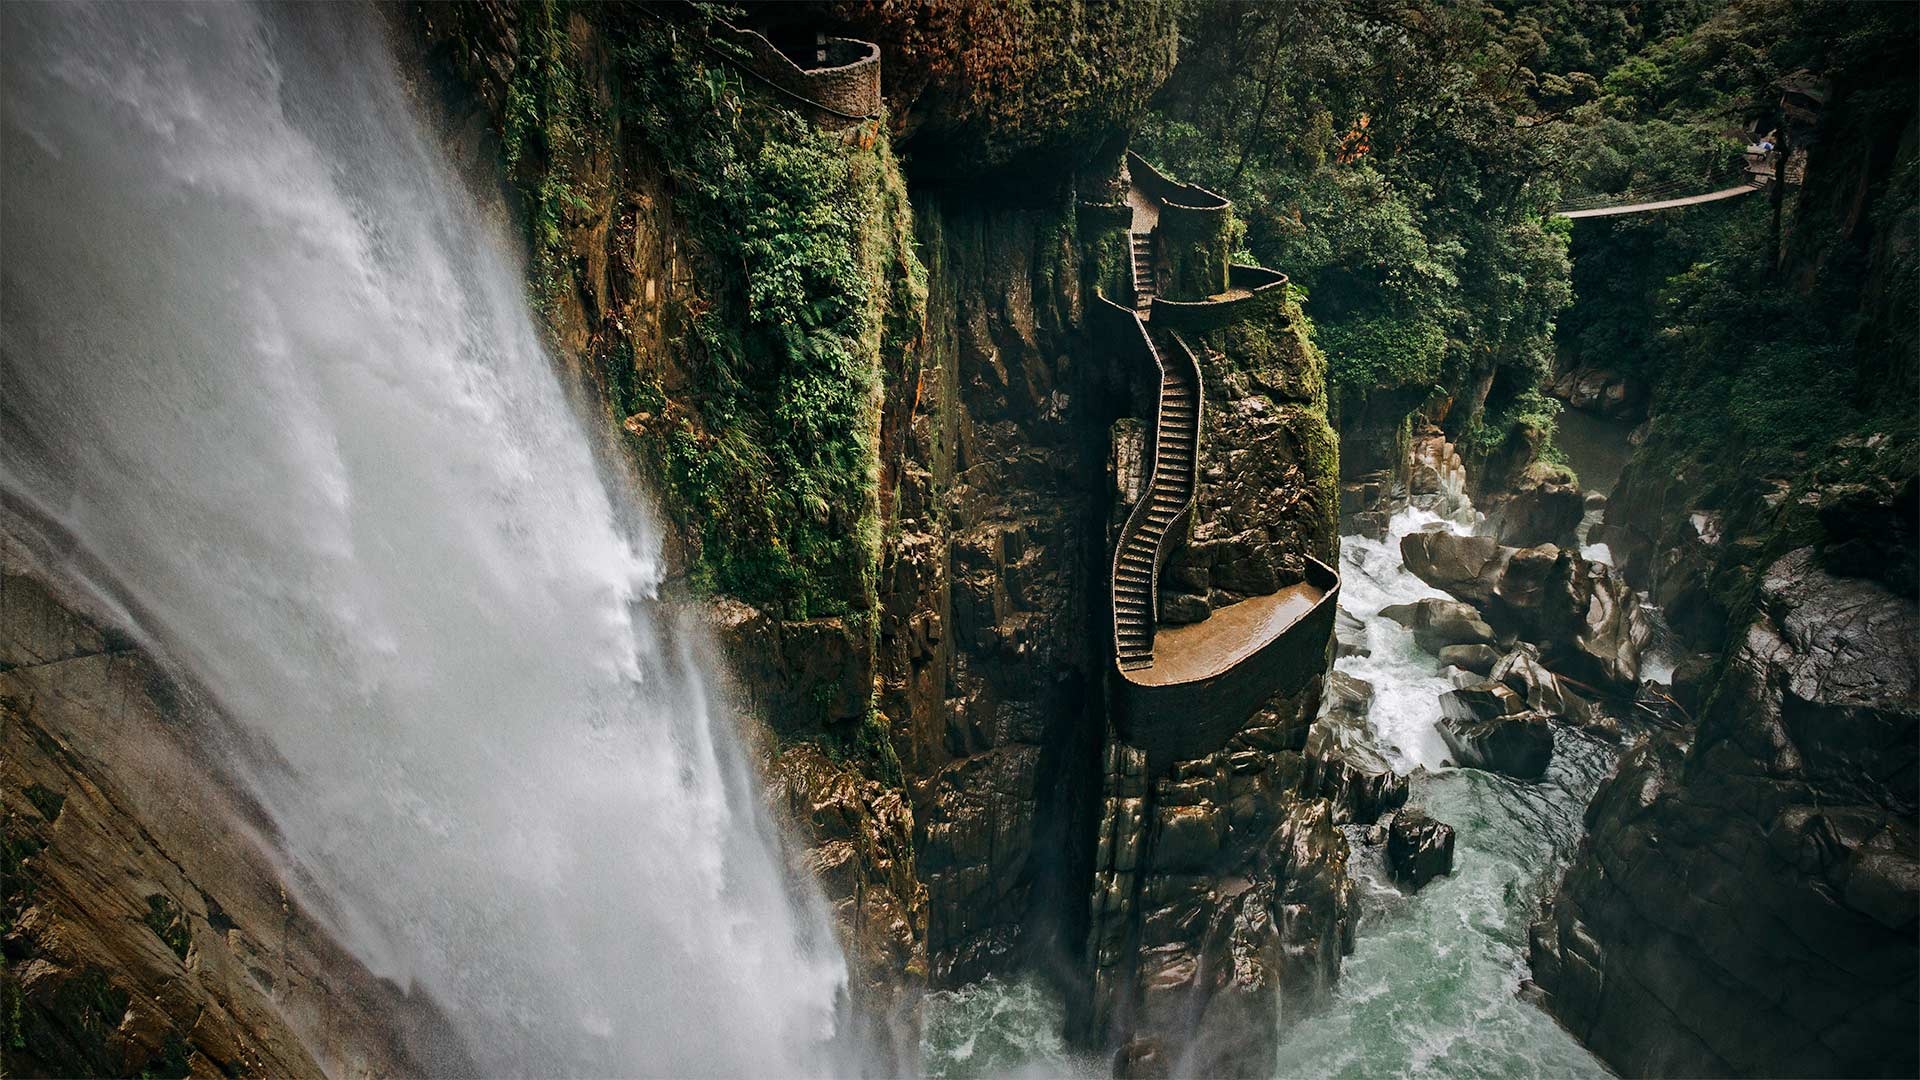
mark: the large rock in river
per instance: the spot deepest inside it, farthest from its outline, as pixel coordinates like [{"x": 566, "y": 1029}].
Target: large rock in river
[
  {"x": 1489, "y": 727},
  {"x": 1469, "y": 567},
  {"x": 1419, "y": 848},
  {"x": 1437, "y": 624},
  {"x": 1588, "y": 622},
  {"x": 1745, "y": 904}
]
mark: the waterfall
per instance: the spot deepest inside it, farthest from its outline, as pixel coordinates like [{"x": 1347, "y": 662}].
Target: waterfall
[{"x": 261, "y": 358}]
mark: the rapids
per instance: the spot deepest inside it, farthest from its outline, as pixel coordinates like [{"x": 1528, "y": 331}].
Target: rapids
[{"x": 1431, "y": 987}]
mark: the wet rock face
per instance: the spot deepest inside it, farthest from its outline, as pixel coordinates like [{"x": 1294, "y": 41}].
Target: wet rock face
[
  {"x": 1419, "y": 848},
  {"x": 1349, "y": 635},
  {"x": 1588, "y": 622},
  {"x": 1219, "y": 888},
  {"x": 1483, "y": 735},
  {"x": 1745, "y": 904},
  {"x": 995, "y": 454},
  {"x": 145, "y": 930},
  {"x": 861, "y": 851},
  {"x": 1344, "y": 766}
]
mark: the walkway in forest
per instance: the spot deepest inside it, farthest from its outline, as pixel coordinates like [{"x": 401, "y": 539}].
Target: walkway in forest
[{"x": 1667, "y": 204}]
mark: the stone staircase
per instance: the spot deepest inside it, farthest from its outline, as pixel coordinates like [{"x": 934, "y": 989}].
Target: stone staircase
[
  {"x": 1143, "y": 283},
  {"x": 1168, "y": 498}
]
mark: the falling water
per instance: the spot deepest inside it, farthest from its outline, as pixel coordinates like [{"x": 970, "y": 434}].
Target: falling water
[{"x": 260, "y": 359}]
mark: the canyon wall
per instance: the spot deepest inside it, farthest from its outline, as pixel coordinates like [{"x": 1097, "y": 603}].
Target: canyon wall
[{"x": 1748, "y": 898}]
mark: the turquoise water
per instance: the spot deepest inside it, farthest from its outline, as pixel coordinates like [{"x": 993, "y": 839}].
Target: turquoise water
[
  {"x": 996, "y": 1028},
  {"x": 1430, "y": 987},
  {"x": 1430, "y": 990}
]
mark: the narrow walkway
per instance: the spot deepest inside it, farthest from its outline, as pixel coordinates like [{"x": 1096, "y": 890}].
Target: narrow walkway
[
  {"x": 1666, "y": 204},
  {"x": 1144, "y": 289},
  {"x": 1169, "y": 495},
  {"x": 1231, "y": 634}
]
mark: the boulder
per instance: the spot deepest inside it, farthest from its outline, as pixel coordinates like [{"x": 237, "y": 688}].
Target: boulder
[
  {"x": 1481, "y": 700},
  {"x": 1437, "y": 624},
  {"x": 1344, "y": 763},
  {"x": 1588, "y": 622},
  {"x": 1476, "y": 658},
  {"x": 1469, "y": 567},
  {"x": 1542, "y": 510},
  {"x": 1521, "y": 671},
  {"x": 1516, "y": 744},
  {"x": 1419, "y": 848},
  {"x": 1349, "y": 634}
]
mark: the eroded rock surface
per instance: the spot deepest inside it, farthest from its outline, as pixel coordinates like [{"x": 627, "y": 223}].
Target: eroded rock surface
[
  {"x": 1746, "y": 901},
  {"x": 1344, "y": 765},
  {"x": 145, "y": 927}
]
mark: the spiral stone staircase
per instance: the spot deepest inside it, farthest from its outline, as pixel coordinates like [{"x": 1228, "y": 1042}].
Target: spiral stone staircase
[
  {"x": 1166, "y": 503},
  {"x": 1182, "y": 691}
]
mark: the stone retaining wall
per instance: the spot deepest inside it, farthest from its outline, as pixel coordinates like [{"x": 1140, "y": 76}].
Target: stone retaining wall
[
  {"x": 845, "y": 90},
  {"x": 1183, "y": 721},
  {"x": 1195, "y": 232},
  {"x": 1265, "y": 290}
]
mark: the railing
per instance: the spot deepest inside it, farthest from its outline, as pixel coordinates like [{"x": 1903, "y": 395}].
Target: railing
[
  {"x": 1180, "y": 721},
  {"x": 1251, "y": 289},
  {"x": 845, "y": 89},
  {"x": 1171, "y": 193},
  {"x": 1183, "y": 368}
]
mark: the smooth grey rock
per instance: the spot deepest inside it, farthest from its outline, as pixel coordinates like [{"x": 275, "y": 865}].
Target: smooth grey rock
[
  {"x": 1476, "y": 658},
  {"x": 1437, "y": 624}
]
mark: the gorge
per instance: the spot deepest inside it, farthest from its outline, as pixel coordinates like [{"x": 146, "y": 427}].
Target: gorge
[{"x": 868, "y": 538}]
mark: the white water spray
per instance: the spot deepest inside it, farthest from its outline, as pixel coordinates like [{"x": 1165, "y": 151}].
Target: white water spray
[
  {"x": 259, "y": 357},
  {"x": 1407, "y": 680}
]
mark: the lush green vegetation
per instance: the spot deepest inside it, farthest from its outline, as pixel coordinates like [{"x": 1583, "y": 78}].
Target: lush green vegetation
[
  {"x": 1397, "y": 162},
  {"x": 1770, "y": 333},
  {"x": 805, "y": 278}
]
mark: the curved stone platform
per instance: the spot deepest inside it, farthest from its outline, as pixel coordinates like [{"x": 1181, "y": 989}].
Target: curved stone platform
[
  {"x": 1251, "y": 290},
  {"x": 1208, "y": 677},
  {"x": 839, "y": 84}
]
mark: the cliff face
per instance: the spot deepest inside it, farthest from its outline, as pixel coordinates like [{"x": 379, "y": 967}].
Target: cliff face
[
  {"x": 1746, "y": 901},
  {"x": 935, "y": 699},
  {"x": 878, "y": 428},
  {"x": 144, "y": 933}
]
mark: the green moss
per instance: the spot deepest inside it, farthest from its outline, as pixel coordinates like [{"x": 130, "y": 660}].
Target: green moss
[
  {"x": 552, "y": 127},
  {"x": 805, "y": 280},
  {"x": 166, "y": 920}
]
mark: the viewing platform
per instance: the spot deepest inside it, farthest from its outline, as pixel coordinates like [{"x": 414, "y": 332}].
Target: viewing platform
[
  {"x": 1183, "y": 691},
  {"x": 1208, "y": 677}
]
